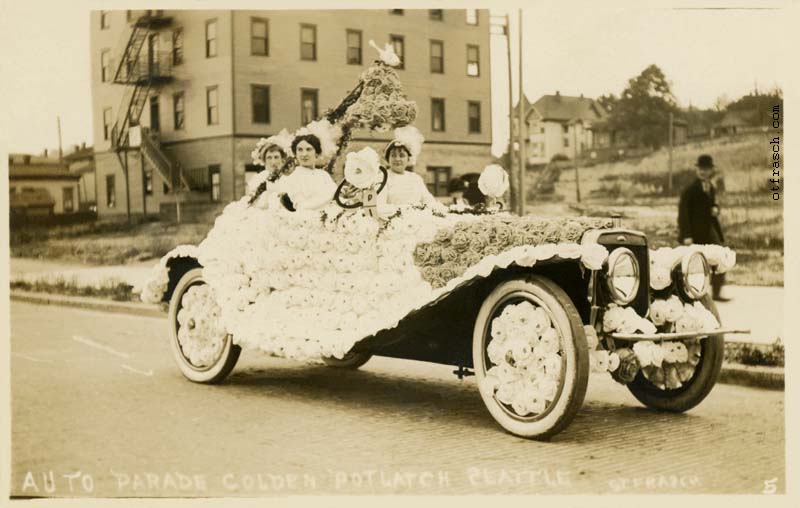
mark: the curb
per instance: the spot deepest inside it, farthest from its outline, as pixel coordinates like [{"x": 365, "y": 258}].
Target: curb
[
  {"x": 131, "y": 308},
  {"x": 770, "y": 378}
]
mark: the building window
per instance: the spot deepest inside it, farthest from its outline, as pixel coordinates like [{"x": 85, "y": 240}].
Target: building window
[
  {"x": 436, "y": 14},
  {"x": 105, "y": 66},
  {"x": 177, "y": 46},
  {"x": 437, "y": 178},
  {"x": 437, "y": 57},
  {"x": 111, "y": 191},
  {"x": 473, "y": 60},
  {"x": 259, "y": 95},
  {"x": 474, "y": 116},
  {"x": 214, "y": 182},
  {"x": 177, "y": 111},
  {"x": 68, "y": 194},
  {"x": 472, "y": 16},
  {"x": 397, "y": 12},
  {"x": 566, "y": 142},
  {"x": 107, "y": 124},
  {"x": 155, "y": 113},
  {"x": 308, "y": 42},
  {"x": 259, "y": 37},
  {"x": 148, "y": 183},
  {"x": 308, "y": 105},
  {"x": 354, "y": 47},
  {"x": 211, "y": 38},
  {"x": 212, "y": 106},
  {"x": 437, "y": 115},
  {"x": 104, "y": 20},
  {"x": 399, "y": 45}
]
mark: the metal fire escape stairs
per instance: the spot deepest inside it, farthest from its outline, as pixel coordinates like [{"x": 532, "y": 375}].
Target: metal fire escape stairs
[{"x": 142, "y": 70}]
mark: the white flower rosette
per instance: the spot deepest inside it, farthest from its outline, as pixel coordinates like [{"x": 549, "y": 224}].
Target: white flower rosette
[
  {"x": 362, "y": 168},
  {"x": 493, "y": 181},
  {"x": 283, "y": 140}
]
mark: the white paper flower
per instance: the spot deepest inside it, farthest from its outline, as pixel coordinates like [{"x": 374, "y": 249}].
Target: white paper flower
[
  {"x": 362, "y": 168},
  {"x": 493, "y": 181}
]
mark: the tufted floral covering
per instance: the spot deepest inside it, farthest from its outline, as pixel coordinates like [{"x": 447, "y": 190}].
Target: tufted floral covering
[{"x": 309, "y": 284}]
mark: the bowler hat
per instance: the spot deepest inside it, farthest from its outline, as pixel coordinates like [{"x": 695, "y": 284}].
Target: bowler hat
[{"x": 705, "y": 161}]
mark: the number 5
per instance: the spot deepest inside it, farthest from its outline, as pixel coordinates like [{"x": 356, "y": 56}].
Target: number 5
[{"x": 770, "y": 486}]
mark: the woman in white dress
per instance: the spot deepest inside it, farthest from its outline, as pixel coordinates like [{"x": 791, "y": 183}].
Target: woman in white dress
[
  {"x": 306, "y": 187},
  {"x": 404, "y": 186}
]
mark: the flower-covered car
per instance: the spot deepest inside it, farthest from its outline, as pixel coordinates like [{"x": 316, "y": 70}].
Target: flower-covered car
[{"x": 531, "y": 305}]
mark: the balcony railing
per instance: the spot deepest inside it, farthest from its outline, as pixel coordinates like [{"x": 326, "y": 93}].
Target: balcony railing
[{"x": 153, "y": 68}]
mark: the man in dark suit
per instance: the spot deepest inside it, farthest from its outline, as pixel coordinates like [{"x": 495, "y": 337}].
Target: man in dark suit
[{"x": 698, "y": 216}]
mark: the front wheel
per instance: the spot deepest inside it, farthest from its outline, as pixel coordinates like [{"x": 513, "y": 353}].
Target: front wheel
[
  {"x": 530, "y": 356},
  {"x": 694, "y": 389},
  {"x": 203, "y": 350},
  {"x": 350, "y": 361}
]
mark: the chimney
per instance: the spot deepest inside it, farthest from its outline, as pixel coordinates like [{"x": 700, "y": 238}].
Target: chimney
[
  {"x": 83, "y": 145},
  {"x": 581, "y": 96},
  {"x": 558, "y": 95},
  {"x": 45, "y": 153}
]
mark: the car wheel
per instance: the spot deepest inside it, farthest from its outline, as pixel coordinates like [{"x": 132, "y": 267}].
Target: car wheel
[
  {"x": 693, "y": 390},
  {"x": 203, "y": 351},
  {"x": 350, "y": 360},
  {"x": 551, "y": 377}
]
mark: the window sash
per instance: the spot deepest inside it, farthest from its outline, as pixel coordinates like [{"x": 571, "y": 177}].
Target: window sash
[
  {"x": 472, "y": 17},
  {"x": 259, "y": 37},
  {"x": 178, "y": 119},
  {"x": 111, "y": 191},
  {"x": 215, "y": 182},
  {"x": 68, "y": 198},
  {"x": 212, "y": 106},
  {"x": 399, "y": 45},
  {"x": 261, "y": 103},
  {"x": 105, "y": 66},
  {"x": 309, "y": 100},
  {"x": 211, "y": 38},
  {"x": 308, "y": 42},
  {"x": 177, "y": 47},
  {"x": 437, "y": 115},
  {"x": 436, "y": 14},
  {"x": 107, "y": 123},
  {"x": 354, "y": 47},
  {"x": 473, "y": 60},
  {"x": 437, "y": 57},
  {"x": 474, "y": 117}
]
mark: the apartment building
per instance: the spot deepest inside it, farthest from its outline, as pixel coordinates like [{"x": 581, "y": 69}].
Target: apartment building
[{"x": 207, "y": 84}]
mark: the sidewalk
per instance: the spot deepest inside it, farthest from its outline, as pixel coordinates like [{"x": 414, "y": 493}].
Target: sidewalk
[{"x": 757, "y": 308}]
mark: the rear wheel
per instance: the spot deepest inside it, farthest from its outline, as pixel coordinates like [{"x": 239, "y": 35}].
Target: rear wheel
[
  {"x": 693, "y": 390},
  {"x": 202, "y": 349},
  {"x": 530, "y": 356}
]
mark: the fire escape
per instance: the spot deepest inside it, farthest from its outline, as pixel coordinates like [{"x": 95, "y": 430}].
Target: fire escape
[{"x": 143, "y": 69}]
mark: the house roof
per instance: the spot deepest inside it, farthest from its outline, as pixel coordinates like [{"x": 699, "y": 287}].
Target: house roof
[
  {"x": 564, "y": 108},
  {"x": 39, "y": 171},
  {"x": 739, "y": 117}
]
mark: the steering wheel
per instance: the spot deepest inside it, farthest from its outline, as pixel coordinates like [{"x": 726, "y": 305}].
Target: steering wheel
[{"x": 337, "y": 197}]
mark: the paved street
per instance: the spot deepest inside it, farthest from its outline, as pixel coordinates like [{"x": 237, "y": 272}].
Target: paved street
[{"x": 98, "y": 409}]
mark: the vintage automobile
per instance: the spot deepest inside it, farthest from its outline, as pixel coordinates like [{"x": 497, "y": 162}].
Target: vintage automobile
[{"x": 528, "y": 305}]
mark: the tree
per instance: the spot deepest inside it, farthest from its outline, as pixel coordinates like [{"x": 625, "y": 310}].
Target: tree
[
  {"x": 607, "y": 101},
  {"x": 641, "y": 114}
]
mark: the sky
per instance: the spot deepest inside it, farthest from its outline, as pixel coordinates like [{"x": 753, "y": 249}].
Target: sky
[{"x": 574, "y": 48}]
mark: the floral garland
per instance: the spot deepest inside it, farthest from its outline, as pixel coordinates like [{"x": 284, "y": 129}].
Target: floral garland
[
  {"x": 663, "y": 260},
  {"x": 455, "y": 249},
  {"x": 525, "y": 351}
]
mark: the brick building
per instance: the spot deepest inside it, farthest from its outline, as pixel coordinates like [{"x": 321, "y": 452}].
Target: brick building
[{"x": 208, "y": 84}]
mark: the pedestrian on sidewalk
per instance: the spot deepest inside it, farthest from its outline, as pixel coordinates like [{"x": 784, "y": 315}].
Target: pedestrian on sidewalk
[{"x": 698, "y": 216}]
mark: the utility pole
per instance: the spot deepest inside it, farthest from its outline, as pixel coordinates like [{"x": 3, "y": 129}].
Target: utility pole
[
  {"x": 575, "y": 160},
  {"x": 513, "y": 191},
  {"x": 60, "y": 151},
  {"x": 669, "y": 167},
  {"x": 522, "y": 125}
]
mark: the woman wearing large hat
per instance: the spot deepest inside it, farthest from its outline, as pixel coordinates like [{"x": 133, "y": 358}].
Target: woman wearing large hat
[{"x": 403, "y": 185}]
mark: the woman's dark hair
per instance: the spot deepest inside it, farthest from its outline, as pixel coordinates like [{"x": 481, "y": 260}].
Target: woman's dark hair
[
  {"x": 272, "y": 148},
  {"x": 393, "y": 147},
  {"x": 310, "y": 139}
]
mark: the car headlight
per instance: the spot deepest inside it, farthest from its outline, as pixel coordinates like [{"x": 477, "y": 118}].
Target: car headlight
[
  {"x": 623, "y": 276},
  {"x": 695, "y": 275}
]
